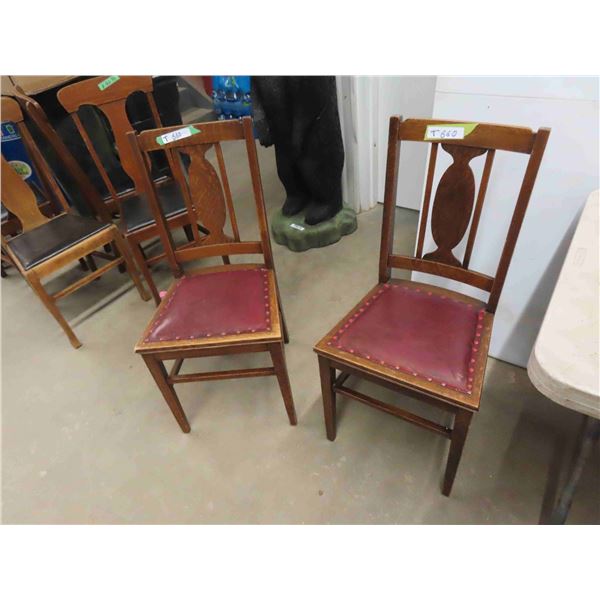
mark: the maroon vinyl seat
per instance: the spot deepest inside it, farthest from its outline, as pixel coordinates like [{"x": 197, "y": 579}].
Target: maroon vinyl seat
[
  {"x": 424, "y": 332},
  {"x": 214, "y": 304}
]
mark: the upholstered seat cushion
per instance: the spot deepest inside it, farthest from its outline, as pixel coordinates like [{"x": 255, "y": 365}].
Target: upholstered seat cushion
[
  {"x": 136, "y": 211},
  {"x": 425, "y": 332},
  {"x": 57, "y": 235},
  {"x": 220, "y": 303}
]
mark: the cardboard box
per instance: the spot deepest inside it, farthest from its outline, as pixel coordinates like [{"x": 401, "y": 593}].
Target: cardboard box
[{"x": 33, "y": 84}]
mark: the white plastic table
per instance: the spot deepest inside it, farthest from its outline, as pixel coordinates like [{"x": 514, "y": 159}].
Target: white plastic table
[{"x": 564, "y": 361}]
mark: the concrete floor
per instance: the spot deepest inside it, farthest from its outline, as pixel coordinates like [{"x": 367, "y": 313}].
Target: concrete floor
[{"x": 87, "y": 437}]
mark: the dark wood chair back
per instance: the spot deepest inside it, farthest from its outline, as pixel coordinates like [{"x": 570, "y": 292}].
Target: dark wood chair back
[
  {"x": 207, "y": 194},
  {"x": 455, "y": 210},
  {"x": 111, "y": 100},
  {"x": 17, "y": 196},
  {"x": 36, "y": 114}
]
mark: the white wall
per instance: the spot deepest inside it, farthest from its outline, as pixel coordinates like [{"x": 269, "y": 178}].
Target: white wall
[
  {"x": 365, "y": 105},
  {"x": 569, "y": 172},
  {"x": 409, "y": 97}
]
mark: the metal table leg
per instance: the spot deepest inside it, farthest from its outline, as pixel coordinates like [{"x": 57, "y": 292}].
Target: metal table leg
[{"x": 590, "y": 431}]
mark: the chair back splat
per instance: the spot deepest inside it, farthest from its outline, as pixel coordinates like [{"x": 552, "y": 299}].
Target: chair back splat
[
  {"x": 112, "y": 102},
  {"x": 18, "y": 197},
  {"x": 207, "y": 192},
  {"x": 456, "y": 209}
]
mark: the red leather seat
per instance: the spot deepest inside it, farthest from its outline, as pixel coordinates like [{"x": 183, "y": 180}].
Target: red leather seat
[
  {"x": 419, "y": 330},
  {"x": 213, "y": 304}
]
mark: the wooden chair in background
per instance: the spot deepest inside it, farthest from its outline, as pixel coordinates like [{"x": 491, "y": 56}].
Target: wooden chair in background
[
  {"x": 220, "y": 310},
  {"x": 137, "y": 222},
  {"x": 89, "y": 195},
  {"x": 45, "y": 244},
  {"x": 422, "y": 340}
]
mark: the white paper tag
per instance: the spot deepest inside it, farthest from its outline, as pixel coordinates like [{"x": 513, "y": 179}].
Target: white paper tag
[
  {"x": 178, "y": 134},
  {"x": 296, "y": 226},
  {"x": 445, "y": 132}
]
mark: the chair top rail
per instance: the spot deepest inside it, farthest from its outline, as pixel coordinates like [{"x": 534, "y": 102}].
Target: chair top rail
[
  {"x": 91, "y": 91},
  {"x": 484, "y": 135},
  {"x": 190, "y": 135}
]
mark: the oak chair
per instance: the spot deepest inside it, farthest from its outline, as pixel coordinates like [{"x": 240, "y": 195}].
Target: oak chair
[
  {"x": 422, "y": 340},
  {"x": 220, "y": 310},
  {"x": 136, "y": 221},
  {"x": 45, "y": 244},
  {"x": 89, "y": 195}
]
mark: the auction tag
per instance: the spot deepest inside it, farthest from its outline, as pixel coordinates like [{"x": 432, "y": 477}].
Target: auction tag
[
  {"x": 178, "y": 134},
  {"x": 296, "y": 226},
  {"x": 449, "y": 132},
  {"x": 108, "y": 82}
]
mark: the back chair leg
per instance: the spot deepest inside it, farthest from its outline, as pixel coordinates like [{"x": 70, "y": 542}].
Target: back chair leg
[
  {"x": 34, "y": 281},
  {"x": 189, "y": 232},
  {"x": 158, "y": 371},
  {"x": 89, "y": 259},
  {"x": 121, "y": 245},
  {"x": 278, "y": 358},
  {"x": 286, "y": 337},
  {"x": 141, "y": 261},
  {"x": 327, "y": 374},
  {"x": 462, "y": 421}
]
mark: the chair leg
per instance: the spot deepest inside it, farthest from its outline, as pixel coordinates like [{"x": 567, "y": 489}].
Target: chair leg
[
  {"x": 141, "y": 261},
  {"x": 189, "y": 232},
  {"x": 83, "y": 264},
  {"x": 278, "y": 358},
  {"x": 329, "y": 402},
  {"x": 286, "y": 336},
  {"x": 36, "y": 285},
  {"x": 462, "y": 421},
  {"x": 121, "y": 245},
  {"x": 112, "y": 247},
  {"x": 158, "y": 371},
  {"x": 89, "y": 259}
]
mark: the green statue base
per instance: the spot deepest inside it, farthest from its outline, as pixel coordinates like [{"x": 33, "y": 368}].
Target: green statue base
[{"x": 294, "y": 233}]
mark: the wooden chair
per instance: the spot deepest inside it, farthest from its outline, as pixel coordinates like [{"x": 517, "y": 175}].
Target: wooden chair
[
  {"x": 221, "y": 310},
  {"x": 47, "y": 203},
  {"x": 46, "y": 245},
  {"x": 422, "y": 340},
  {"x": 137, "y": 223}
]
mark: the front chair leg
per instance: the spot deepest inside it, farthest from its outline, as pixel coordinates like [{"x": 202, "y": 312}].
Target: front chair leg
[
  {"x": 462, "y": 421},
  {"x": 278, "y": 358},
  {"x": 36, "y": 285},
  {"x": 329, "y": 404},
  {"x": 158, "y": 371}
]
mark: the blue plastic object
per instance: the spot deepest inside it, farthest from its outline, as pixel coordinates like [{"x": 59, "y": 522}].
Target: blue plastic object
[
  {"x": 231, "y": 96},
  {"x": 15, "y": 153}
]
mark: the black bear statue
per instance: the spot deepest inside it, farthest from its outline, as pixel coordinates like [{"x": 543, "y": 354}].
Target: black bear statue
[{"x": 299, "y": 114}]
